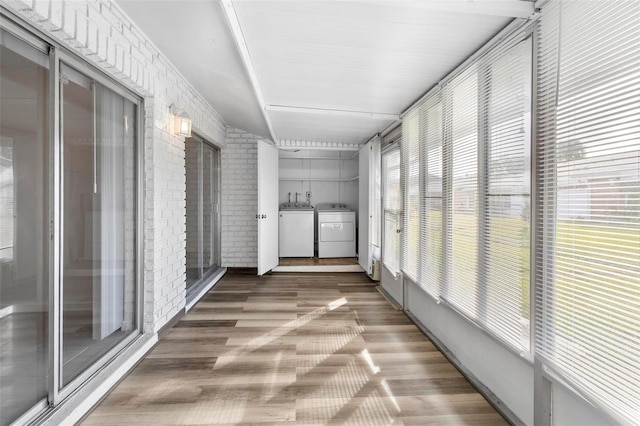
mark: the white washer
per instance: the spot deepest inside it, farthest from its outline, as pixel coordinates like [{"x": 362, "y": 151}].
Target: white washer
[
  {"x": 295, "y": 231},
  {"x": 336, "y": 230}
]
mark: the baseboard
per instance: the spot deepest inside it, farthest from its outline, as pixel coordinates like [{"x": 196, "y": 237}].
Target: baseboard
[
  {"x": 86, "y": 398},
  {"x": 169, "y": 324},
  {"x": 319, "y": 268},
  {"x": 213, "y": 280},
  {"x": 387, "y": 296}
]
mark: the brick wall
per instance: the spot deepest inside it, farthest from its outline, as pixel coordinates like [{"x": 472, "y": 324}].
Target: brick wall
[
  {"x": 240, "y": 199},
  {"x": 99, "y": 32}
]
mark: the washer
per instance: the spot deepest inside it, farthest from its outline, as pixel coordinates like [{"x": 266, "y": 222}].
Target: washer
[
  {"x": 336, "y": 230},
  {"x": 295, "y": 230}
]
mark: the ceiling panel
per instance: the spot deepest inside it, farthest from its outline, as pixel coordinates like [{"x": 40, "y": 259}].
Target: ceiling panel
[
  {"x": 365, "y": 56},
  {"x": 352, "y": 57},
  {"x": 195, "y": 37},
  {"x": 294, "y": 126}
]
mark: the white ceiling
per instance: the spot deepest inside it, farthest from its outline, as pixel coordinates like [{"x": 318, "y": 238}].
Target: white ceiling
[{"x": 334, "y": 71}]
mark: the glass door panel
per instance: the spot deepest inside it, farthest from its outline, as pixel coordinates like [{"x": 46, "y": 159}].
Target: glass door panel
[
  {"x": 391, "y": 279},
  {"x": 24, "y": 226},
  {"x": 98, "y": 247},
  {"x": 209, "y": 206},
  {"x": 392, "y": 209},
  {"x": 193, "y": 160},
  {"x": 202, "y": 170}
]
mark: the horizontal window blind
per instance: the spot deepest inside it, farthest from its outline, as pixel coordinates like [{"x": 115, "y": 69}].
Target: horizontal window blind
[
  {"x": 588, "y": 299},
  {"x": 505, "y": 156},
  {"x": 461, "y": 128},
  {"x": 411, "y": 189},
  {"x": 431, "y": 164},
  {"x": 392, "y": 209},
  {"x": 469, "y": 163}
]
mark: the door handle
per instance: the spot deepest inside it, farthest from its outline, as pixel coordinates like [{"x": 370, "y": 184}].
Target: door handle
[{"x": 398, "y": 231}]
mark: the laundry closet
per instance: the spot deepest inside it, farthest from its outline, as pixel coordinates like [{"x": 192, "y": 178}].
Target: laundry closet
[{"x": 318, "y": 206}]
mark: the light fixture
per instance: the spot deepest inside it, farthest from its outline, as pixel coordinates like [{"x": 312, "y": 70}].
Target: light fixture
[{"x": 181, "y": 121}]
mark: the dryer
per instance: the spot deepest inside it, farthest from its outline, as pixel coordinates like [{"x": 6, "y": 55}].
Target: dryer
[{"x": 336, "y": 230}]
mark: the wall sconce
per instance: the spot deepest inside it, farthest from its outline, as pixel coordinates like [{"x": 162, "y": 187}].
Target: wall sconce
[{"x": 181, "y": 121}]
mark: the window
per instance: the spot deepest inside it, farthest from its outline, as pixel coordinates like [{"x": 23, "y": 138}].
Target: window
[
  {"x": 461, "y": 123},
  {"x": 505, "y": 224},
  {"x": 392, "y": 209},
  {"x": 411, "y": 187},
  {"x": 467, "y": 188},
  {"x": 431, "y": 159},
  {"x": 588, "y": 299}
]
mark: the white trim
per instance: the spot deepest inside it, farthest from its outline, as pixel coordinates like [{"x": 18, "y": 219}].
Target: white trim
[
  {"x": 319, "y": 268},
  {"x": 326, "y": 111},
  {"x": 318, "y": 146},
  {"x": 72, "y": 411},
  {"x": 205, "y": 289},
  {"x": 32, "y": 413},
  {"x": 243, "y": 50}
]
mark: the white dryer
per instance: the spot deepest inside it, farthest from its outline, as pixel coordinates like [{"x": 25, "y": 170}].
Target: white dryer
[{"x": 336, "y": 230}]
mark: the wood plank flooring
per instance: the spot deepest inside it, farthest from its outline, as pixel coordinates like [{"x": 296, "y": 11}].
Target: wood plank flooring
[{"x": 298, "y": 349}]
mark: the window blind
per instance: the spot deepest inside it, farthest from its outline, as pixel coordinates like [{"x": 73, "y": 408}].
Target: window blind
[
  {"x": 469, "y": 162},
  {"x": 432, "y": 178},
  {"x": 505, "y": 156},
  {"x": 411, "y": 188},
  {"x": 461, "y": 128},
  {"x": 588, "y": 298},
  {"x": 392, "y": 209}
]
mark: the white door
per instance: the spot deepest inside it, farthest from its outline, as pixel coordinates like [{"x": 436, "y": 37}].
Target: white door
[
  {"x": 391, "y": 278},
  {"x": 364, "y": 219},
  {"x": 267, "y": 214}
]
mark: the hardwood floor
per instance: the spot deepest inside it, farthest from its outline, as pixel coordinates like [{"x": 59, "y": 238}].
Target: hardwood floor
[{"x": 299, "y": 349}]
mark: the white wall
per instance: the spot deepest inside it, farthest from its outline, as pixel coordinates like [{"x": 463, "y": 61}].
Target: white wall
[
  {"x": 508, "y": 376},
  {"x": 329, "y": 175},
  {"x": 571, "y": 410},
  {"x": 239, "y": 159}
]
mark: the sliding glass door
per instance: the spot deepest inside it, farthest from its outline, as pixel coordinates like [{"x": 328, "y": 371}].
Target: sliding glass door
[
  {"x": 68, "y": 223},
  {"x": 98, "y": 247},
  {"x": 202, "y": 211},
  {"x": 24, "y": 226}
]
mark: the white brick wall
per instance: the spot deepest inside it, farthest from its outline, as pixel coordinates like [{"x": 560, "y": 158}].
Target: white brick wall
[
  {"x": 240, "y": 200},
  {"x": 103, "y": 35}
]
